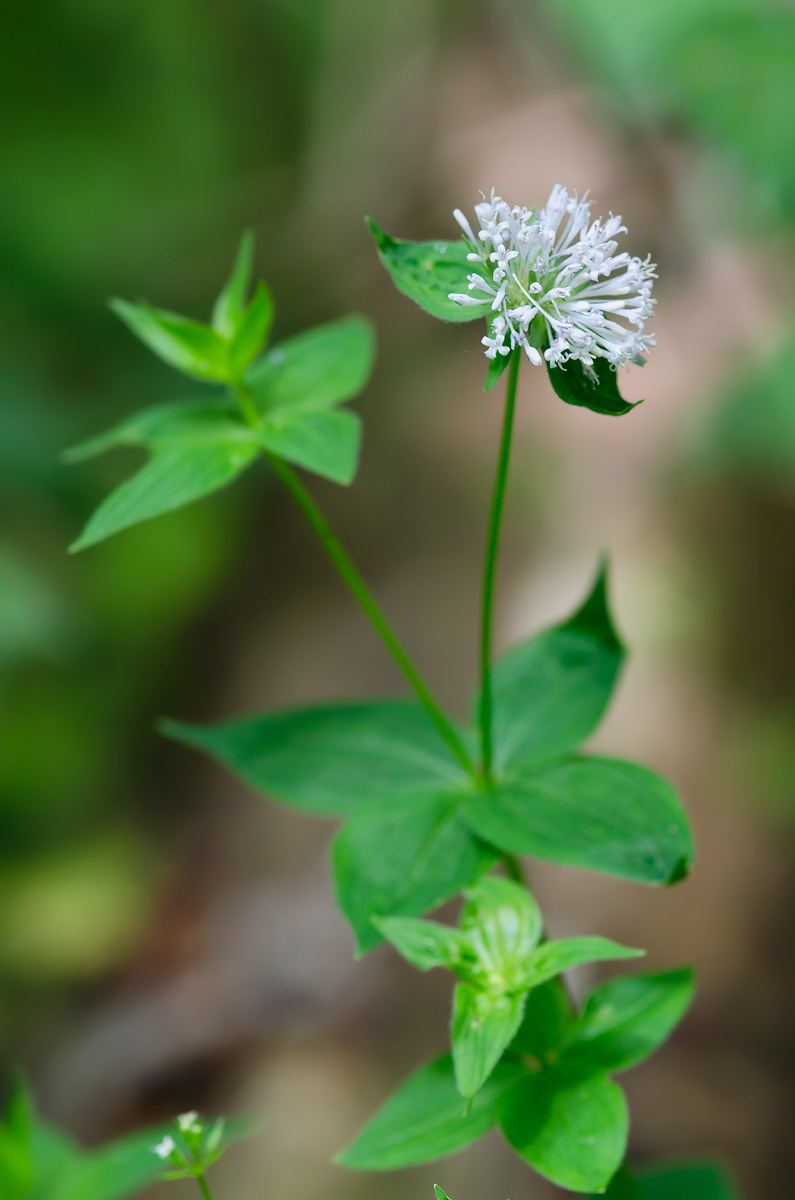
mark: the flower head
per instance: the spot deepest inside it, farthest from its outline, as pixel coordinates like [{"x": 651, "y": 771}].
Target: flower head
[
  {"x": 165, "y": 1148},
  {"x": 189, "y": 1122},
  {"x": 551, "y": 282}
]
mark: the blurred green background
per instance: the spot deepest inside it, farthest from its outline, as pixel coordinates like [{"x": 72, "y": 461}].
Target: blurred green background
[{"x": 167, "y": 940}]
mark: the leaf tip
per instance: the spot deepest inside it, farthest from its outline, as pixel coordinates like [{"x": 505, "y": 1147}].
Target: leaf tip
[{"x": 680, "y": 871}]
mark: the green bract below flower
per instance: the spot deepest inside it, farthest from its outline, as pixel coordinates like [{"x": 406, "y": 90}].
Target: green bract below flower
[{"x": 552, "y": 283}]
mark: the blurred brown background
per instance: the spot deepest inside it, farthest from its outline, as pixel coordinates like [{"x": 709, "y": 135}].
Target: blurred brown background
[{"x": 167, "y": 939}]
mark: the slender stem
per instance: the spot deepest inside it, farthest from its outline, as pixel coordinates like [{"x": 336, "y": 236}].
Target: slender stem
[
  {"x": 513, "y": 869},
  {"x": 367, "y": 602},
  {"x": 490, "y": 567},
  {"x": 205, "y": 1190}
]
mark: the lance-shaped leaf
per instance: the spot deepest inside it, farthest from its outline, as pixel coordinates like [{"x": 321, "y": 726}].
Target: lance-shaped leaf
[
  {"x": 484, "y": 1024},
  {"x": 503, "y": 923},
  {"x": 598, "y": 813},
  {"x": 552, "y": 958},
  {"x": 231, "y": 301},
  {"x": 688, "y": 1181},
  {"x": 425, "y": 944},
  {"x": 427, "y": 272},
  {"x": 251, "y": 333},
  {"x": 190, "y": 347},
  {"x": 626, "y": 1019},
  {"x": 424, "y": 1119},
  {"x": 546, "y": 1023},
  {"x": 403, "y": 859},
  {"x": 570, "y": 1125},
  {"x": 332, "y": 758},
  {"x": 601, "y": 395},
  {"x": 314, "y": 370},
  {"x": 551, "y": 691}
]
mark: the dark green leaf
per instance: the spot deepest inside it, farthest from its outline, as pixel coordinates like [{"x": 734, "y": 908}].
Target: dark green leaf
[
  {"x": 232, "y": 300},
  {"x": 252, "y": 332},
  {"x": 569, "y": 1125},
  {"x": 402, "y": 858},
  {"x": 423, "y": 1120},
  {"x": 600, "y": 395},
  {"x": 552, "y": 958},
  {"x": 551, "y": 691},
  {"x": 503, "y": 923},
  {"x": 483, "y": 1025},
  {"x": 496, "y": 369},
  {"x": 192, "y": 348},
  {"x": 546, "y": 1022},
  {"x": 625, "y": 1020},
  {"x": 696, "y": 1181},
  {"x": 427, "y": 272},
  {"x": 324, "y": 442},
  {"x": 623, "y": 1186},
  {"x": 16, "y": 1159},
  {"x": 316, "y": 369},
  {"x": 332, "y": 758},
  {"x": 425, "y": 944},
  {"x": 597, "y": 813}
]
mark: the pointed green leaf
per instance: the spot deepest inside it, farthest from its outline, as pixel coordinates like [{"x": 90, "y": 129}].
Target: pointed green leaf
[
  {"x": 688, "y": 1181},
  {"x": 204, "y": 419},
  {"x": 425, "y": 944},
  {"x": 571, "y": 1126},
  {"x": 252, "y": 332},
  {"x": 427, "y": 272},
  {"x": 316, "y": 369},
  {"x": 545, "y": 1024},
  {"x": 331, "y": 758},
  {"x": 423, "y": 1120},
  {"x": 625, "y": 1020},
  {"x": 551, "y": 691},
  {"x": 402, "y": 859},
  {"x": 232, "y": 300},
  {"x": 440, "y": 1193},
  {"x": 623, "y": 1186},
  {"x": 190, "y": 347},
  {"x": 324, "y": 442},
  {"x": 116, "y": 1170},
  {"x": 597, "y": 813},
  {"x": 504, "y": 924},
  {"x": 496, "y": 369},
  {"x": 552, "y": 958},
  {"x": 601, "y": 395},
  {"x": 483, "y": 1025}
]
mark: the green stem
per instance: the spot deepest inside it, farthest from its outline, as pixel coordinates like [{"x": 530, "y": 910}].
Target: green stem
[
  {"x": 205, "y": 1190},
  {"x": 246, "y": 401},
  {"x": 362, "y": 594},
  {"x": 490, "y": 567},
  {"x": 513, "y": 869}
]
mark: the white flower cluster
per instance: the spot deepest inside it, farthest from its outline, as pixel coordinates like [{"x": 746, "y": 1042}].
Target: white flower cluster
[{"x": 557, "y": 271}]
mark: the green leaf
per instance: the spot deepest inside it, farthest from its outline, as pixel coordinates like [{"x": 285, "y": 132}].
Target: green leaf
[
  {"x": 423, "y": 1120},
  {"x": 440, "y": 1193},
  {"x": 504, "y": 925},
  {"x": 425, "y": 944},
  {"x": 115, "y": 1170},
  {"x": 427, "y": 272},
  {"x": 232, "y": 300},
  {"x": 324, "y": 442},
  {"x": 552, "y": 958},
  {"x": 551, "y": 691},
  {"x": 16, "y": 1161},
  {"x": 316, "y": 369},
  {"x": 688, "y": 1181},
  {"x": 601, "y": 395},
  {"x": 403, "y": 858},
  {"x": 496, "y": 369},
  {"x": 571, "y": 1126},
  {"x": 192, "y": 348},
  {"x": 252, "y": 332},
  {"x": 596, "y": 813},
  {"x": 625, "y": 1020},
  {"x": 332, "y": 758},
  {"x": 623, "y": 1186},
  {"x": 483, "y": 1025},
  {"x": 546, "y": 1022}
]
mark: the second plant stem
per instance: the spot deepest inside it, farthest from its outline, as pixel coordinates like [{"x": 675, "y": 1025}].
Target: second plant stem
[
  {"x": 485, "y": 710},
  {"x": 204, "y": 1187}
]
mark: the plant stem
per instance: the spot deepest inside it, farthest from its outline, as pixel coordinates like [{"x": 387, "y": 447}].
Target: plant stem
[
  {"x": 490, "y": 567},
  {"x": 246, "y": 401},
  {"x": 362, "y": 594},
  {"x": 205, "y": 1190},
  {"x": 513, "y": 869}
]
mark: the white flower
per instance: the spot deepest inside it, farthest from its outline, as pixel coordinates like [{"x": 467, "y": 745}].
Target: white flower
[
  {"x": 551, "y": 281},
  {"x": 165, "y": 1148},
  {"x": 189, "y": 1122}
]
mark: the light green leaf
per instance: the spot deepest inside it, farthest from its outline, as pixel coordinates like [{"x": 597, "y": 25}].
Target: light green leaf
[
  {"x": 332, "y": 758},
  {"x": 316, "y": 369},
  {"x": 113, "y": 1171},
  {"x": 423, "y": 1120},
  {"x": 552, "y": 958},
  {"x": 551, "y": 691},
  {"x": 483, "y": 1025},
  {"x": 569, "y": 1125},
  {"x": 192, "y": 348},
  {"x": 425, "y": 944},
  {"x": 546, "y": 1022},
  {"x": 402, "y": 858},
  {"x": 16, "y": 1160},
  {"x": 252, "y": 332},
  {"x": 324, "y": 442},
  {"x": 232, "y": 300},
  {"x": 440, "y": 1193},
  {"x": 504, "y": 924},
  {"x": 601, "y": 395},
  {"x": 688, "y": 1181},
  {"x": 597, "y": 813},
  {"x": 625, "y": 1020},
  {"x": 427, "y": 272}
]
